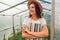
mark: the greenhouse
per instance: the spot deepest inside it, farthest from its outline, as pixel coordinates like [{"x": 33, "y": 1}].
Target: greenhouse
[{"x": 14, "y": 12}]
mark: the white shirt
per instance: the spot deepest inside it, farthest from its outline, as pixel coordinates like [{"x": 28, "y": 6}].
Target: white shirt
[
  {"x": 33, "y": 25},
  {"x": 39, "y": 21}
]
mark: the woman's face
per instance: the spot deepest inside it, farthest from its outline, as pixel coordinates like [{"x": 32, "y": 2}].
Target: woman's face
[{"x": 32, "y": 9}]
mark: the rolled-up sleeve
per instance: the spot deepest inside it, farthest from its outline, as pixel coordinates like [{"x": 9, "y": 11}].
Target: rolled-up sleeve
[
  {"x": 43, "y": 21},
  {"x": 26, "y": 22}
]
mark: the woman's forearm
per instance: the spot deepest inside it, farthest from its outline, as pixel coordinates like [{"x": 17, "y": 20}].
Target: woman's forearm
[
  {"x": 39, "y": 34},
  {"x": 26, "y": 35},
  {"x": 43, "y": 33}
]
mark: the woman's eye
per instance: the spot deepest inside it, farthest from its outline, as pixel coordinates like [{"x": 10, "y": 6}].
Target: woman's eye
[{"x": 32, "y": 7}]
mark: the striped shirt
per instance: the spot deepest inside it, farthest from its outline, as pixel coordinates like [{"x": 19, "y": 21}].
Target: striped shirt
[{"x": 34, "y": 26}]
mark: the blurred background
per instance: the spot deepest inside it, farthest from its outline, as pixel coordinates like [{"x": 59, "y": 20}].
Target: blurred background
[{"x": 13, "y": 13}]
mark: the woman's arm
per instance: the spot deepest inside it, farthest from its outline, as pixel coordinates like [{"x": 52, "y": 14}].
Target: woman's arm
[
  {"x": 43, "y": 33},
  {"x": 26, "y": 35}
]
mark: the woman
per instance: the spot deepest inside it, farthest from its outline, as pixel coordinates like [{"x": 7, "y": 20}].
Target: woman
[{"x": 34, "y": 27}]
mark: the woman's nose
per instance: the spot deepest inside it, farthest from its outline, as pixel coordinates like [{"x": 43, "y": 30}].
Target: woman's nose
[{"x": 30, "y": 9}]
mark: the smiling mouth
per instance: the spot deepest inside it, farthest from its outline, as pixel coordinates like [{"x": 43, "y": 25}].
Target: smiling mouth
[{"x": 31, "y": 11}]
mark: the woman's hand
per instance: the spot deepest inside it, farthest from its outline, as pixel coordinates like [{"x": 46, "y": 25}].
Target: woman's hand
[{"x": 27, "y": 30}]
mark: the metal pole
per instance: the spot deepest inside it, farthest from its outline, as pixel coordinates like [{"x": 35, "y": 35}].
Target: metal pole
[
  {"x": 53, "y": 19},
  {"x": 13, "y": 28},
  {"x": 4, "y": 37}
]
